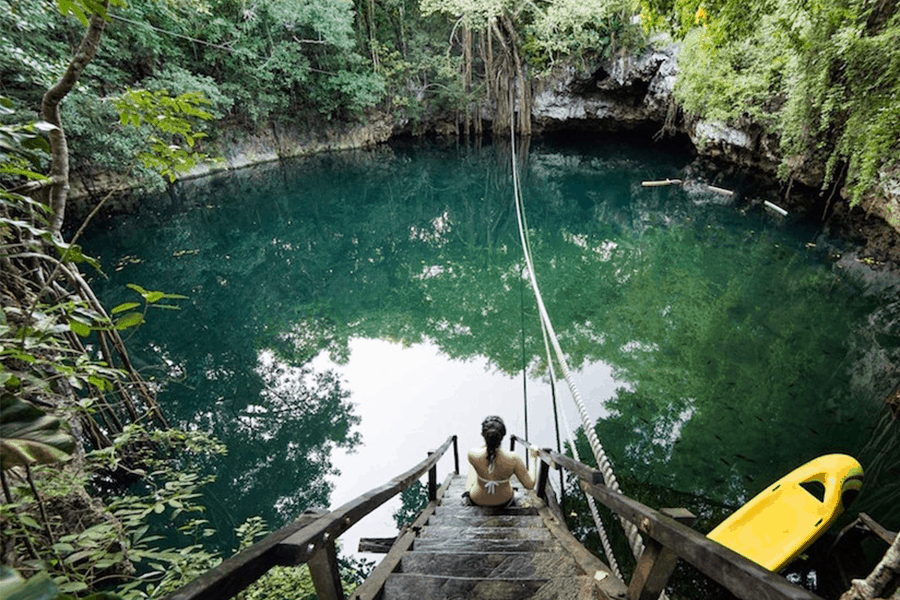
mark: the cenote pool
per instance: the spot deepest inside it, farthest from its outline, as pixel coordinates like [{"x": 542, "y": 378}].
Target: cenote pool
[{"x": 345, "y": 313}]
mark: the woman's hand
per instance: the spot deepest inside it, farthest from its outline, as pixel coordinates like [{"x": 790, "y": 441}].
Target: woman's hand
[{"x": 533, "y": 453}]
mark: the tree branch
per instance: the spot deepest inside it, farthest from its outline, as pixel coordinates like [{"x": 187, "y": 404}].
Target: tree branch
[{"x": 59, "y": 148}]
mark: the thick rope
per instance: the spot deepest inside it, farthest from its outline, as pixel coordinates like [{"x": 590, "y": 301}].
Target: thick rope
[
  {"x": 598, "y": 523},
  {"x": 631, "y": 531}
]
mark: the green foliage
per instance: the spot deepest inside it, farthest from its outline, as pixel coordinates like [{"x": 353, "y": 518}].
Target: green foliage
[
  {"x": 846, "y": 103},
  {"x": 22, "y": 140},
  {"x": 348, "y": 91},
  {"x": 412, "y": 500},
  {"x": 84, "y": 9},
  {"x": 579, "y": 28},
  {"x": 29, "y": 436},
  {"x": 552, "y": 30},
  {"x": 14, "y": 587},
  {"x": 825, "y": 78},
  {"x": 171, "y": 116},
  {"x": 116, "y": 543}
]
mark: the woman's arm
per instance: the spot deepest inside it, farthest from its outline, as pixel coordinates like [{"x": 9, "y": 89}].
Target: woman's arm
[{"x": 527, "y": 478}]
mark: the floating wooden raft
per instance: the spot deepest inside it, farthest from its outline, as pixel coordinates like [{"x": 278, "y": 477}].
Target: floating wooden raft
[{"x": 481, "y": 553}]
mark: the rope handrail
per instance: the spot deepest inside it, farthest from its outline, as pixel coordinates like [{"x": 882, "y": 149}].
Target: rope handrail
[
  {"x": 308, "y": 540},
  {"x": 740, "y": 575}
]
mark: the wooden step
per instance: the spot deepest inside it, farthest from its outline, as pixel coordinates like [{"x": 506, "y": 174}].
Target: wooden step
[
  {"x": 480, "y": 511},
  {"x": 475, "y": 520},
  {"x": 400, "y": 586},
  {"x": 483, "y": 545},
  {"x": 485, "y": 533},
  {"x": 457, "y": 503},
  {"x": 431, "y": 587},
  {"x": 496, "y": 565}
]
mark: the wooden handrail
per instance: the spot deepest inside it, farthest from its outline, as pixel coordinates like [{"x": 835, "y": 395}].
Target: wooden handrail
[
  {"x": 310, "y": 539},
  {"x": 741, "y": 576}
]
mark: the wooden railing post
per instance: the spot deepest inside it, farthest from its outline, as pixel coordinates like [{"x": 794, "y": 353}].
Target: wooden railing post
[
  {"x": 456, "y": 454},
  {"x": 656, "y": 564},
  {"x": 543, "y": 472},
  {"x": 432, "y": 482},
  {"x": 326, "y": 576}
]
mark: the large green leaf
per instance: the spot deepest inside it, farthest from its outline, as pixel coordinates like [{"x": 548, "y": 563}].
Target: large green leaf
[
  {"x": 28, "y": 435},
  {"x": 14, "y": 587}
]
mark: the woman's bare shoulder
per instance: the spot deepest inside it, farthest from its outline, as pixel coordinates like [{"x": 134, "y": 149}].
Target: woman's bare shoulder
[{"x": 510, "y": 457}]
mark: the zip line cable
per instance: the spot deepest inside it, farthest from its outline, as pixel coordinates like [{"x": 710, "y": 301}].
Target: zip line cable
[
  {"x": 524, "y": 365},
  {"x": 609, "y": 477}
]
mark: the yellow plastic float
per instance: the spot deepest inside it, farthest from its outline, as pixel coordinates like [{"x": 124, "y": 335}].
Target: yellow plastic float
[{"x": 789, "y": 515}]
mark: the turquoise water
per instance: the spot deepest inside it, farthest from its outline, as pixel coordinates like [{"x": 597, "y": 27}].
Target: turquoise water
[{"x": 374, "y": 301}]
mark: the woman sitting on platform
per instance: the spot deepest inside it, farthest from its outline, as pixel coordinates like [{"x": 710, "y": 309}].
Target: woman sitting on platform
[{"x": 491, "y": 468}]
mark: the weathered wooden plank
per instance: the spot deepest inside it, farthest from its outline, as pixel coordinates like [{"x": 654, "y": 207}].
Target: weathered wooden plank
[
  {"x": 590, "y": 565},
  {"x": 485, "y": 545},
  {"x": 484, "y": 533},
  {"x": 459, "y": 508},
  {"x": 560, "y": 460},
  {"x": 543, "y": 472},
  {"x": 656, "y": 563},
  {"x": 876, "y": 528},
  {"x": 496, "y": 565},
  {"x": 376, "y": 545},
  {"x": 297, "y": 542},
  {"x": 235, "y": 574},
  {"x": 420, "y": 587},
  {"x": 584, "y": 472},
  {"x": 741, "y": 576},
  {"x": 500, "y": 521},
  {"x": 323, "y": 566},
  {"x": 298, "y": 547},
  {"x": 371, "y": 588}
]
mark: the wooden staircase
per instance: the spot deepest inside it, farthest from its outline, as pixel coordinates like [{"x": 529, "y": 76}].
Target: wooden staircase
[
  {"x": 457, "y": 552},
  {"x": 480, "y": 553}
]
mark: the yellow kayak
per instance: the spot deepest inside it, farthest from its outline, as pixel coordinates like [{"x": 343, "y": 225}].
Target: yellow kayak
[{"x": 788, "y": 516}]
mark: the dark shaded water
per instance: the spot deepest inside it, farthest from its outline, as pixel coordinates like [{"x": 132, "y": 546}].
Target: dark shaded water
[{"x": 733, "y": 347}]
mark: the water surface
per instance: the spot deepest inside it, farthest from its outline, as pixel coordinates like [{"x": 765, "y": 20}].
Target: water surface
[{"x": 373, "y": 301}]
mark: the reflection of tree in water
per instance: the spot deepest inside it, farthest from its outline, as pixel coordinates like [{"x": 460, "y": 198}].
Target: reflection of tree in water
[
  {"x": 280, "y": 441},
  {"x": 733, "y": 343}
]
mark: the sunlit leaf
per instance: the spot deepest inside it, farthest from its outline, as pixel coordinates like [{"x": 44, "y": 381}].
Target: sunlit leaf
[
  {"x": 79, "y": 328},
  {"x": 14, "y": 587},
  {"x": 28, "y": 435},
  {"x": 129, "y": 320},
  {"x": 125, "y": 306}
]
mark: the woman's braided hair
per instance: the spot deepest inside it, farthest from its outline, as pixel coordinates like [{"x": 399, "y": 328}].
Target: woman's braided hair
[{"x": 493, "y": 430}]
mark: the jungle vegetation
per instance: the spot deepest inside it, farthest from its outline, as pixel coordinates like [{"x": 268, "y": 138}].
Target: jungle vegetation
[{"x": 822, "y": 78}]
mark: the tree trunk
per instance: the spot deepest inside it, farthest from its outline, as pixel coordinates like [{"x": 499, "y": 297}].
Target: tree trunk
[
  {"x": 521, "y": 75},
  {"x": 467, "y": 76},
  {"x": 59, "y": 148},
  {"x": 510, "y": 73}
]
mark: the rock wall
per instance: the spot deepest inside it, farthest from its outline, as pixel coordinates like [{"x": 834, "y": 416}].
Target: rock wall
[
  {"x": 637, "y": 92},
  {"x": 239, "y": 149},
  {"x": 625, "y": 93}
]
